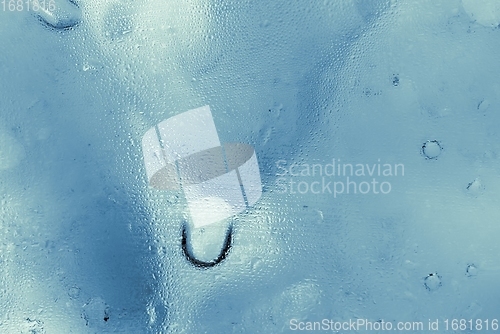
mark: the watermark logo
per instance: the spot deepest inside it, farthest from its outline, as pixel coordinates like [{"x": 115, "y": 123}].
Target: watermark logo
[
  {"x": 336, "y": 177},
  {"x": 218, "y": 180}
]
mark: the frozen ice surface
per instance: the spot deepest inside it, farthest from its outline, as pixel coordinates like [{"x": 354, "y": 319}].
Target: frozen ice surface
[{"x": 84, "y": 239}]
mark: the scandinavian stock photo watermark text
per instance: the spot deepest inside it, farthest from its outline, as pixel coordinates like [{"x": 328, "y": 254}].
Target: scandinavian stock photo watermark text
[{"x": 336, "y": 177}]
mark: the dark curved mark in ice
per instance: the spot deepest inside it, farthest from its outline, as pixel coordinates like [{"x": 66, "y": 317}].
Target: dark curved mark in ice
[
  {"x": 59, "y": 14},
  {"x": 202, "y": 264}
]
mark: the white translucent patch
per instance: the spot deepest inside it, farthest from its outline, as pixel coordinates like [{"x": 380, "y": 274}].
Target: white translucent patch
[
  {"x": 153, "y": 159},
  {"x": 11, "y": 151},
  {"x": 484, "y": 12},
  {"x": 215, "y": 199},
  {"x": 250, "y": 177},
  {"x": 213, "y": 188}
]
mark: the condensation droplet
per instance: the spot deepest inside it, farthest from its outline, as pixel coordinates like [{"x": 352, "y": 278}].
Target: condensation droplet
[
  {"x": 483, "y": 105},
  {"x": 59, "y": 14},
  {"x": 12, "y": 152},
  {"x": 432, "y": 282},
  {"x": 431, "y": 149},
  {"x": 33, "y": 326},
  {"x": 475, "y": 187},
  {"x": 485, "y": 12},
  {"x": 74, "y": 292},
  {"x": 92, "y": 66},
  {"x": 95, "y": 312},
  {"x": 471, "y": 270}
]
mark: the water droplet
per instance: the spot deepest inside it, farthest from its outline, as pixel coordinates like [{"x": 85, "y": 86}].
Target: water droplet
[
  {"x": 475, "y": 187},
  {"x": 74, "y": 292},
  {"x": 473, "y": 310},
  {"x": 264, "y": 24},
  {"x": 59, "y": 14},
  {"x": 432, "y": 282},
  {"x": 33, "y": 326},
  {"x": 95, "y": 311},
  {"x": 395, "y": 80},
  {"x": 43, "y": 133},
  {"x": 431, "y": 149},
  {"x": 118, "y": 22},
  {"x": 92, "y": 66},
  {"x": 266, "y": 134},
  {"x": 486, "y": 12},
  {"x": 471, "y": 270},
  {"x": 256, "y": 263},
  {"x": 483, "y": 105},
  {"x": 12, "y": 152}
]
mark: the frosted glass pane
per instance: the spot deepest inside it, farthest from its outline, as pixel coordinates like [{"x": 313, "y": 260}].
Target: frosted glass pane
[{"x": 249, "y": 166}]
